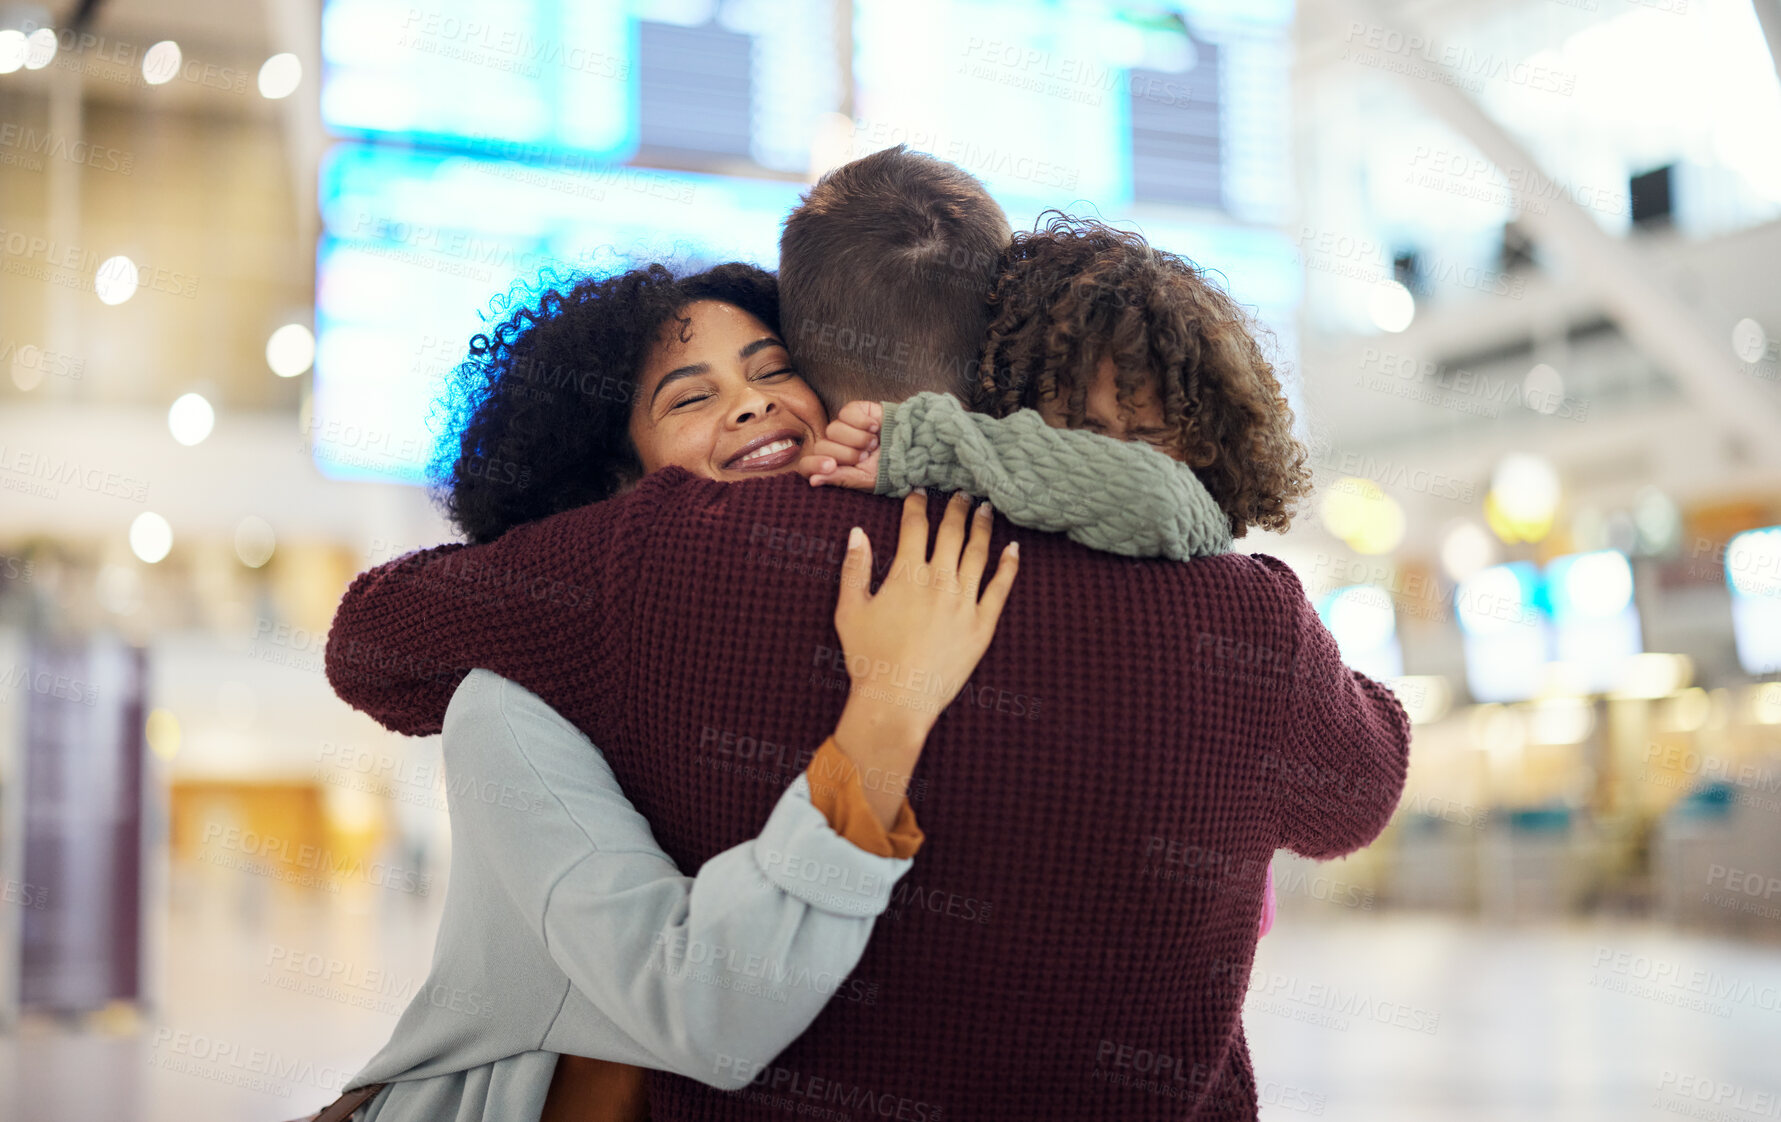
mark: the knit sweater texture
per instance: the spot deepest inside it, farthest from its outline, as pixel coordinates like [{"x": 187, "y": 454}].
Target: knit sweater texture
[
  {"x": 1110, "y": 495},
  {"x": 1101, "y": 801}
]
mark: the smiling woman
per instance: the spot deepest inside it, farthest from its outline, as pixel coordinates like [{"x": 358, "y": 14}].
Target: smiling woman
[
  {"x": 581, "y": 391},
  {"x": 720, "y": 397}
]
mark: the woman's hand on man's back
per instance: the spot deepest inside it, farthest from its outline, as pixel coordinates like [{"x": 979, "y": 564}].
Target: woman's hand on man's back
[{"x": 911, "y": 645}]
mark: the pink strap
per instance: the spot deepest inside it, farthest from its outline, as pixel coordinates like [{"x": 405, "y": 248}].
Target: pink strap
[{"x": 1268, "y": 902}]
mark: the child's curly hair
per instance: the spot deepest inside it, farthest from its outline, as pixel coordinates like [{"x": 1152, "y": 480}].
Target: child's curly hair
[{"x": 1076, "y": 290}]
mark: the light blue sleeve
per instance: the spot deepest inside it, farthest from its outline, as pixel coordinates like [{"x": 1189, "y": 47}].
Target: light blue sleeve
[{"x": 709, "y": 976}]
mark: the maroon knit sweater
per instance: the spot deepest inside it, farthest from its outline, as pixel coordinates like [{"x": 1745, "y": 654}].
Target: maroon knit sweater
[{"x": 1100, "y": 803}]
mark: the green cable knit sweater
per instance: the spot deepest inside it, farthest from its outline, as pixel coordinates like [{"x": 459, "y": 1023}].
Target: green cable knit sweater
[{"x": 1117, "y": 497}]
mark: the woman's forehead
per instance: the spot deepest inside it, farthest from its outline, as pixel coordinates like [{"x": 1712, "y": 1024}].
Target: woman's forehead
[{"x": 708, "y": 321}]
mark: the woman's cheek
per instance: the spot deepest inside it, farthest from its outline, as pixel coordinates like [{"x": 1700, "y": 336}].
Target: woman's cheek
[
  {"x": 673, "y": 443},
  {"x": 807, "y": 407},
  {"x": 695, "y": 448}
]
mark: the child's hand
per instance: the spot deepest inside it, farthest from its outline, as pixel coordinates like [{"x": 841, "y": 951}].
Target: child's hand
[{"x": 848, "y": 454}]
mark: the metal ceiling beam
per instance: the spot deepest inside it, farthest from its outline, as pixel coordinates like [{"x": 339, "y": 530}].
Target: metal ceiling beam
[
  {"x": 1768, "y": 13},
  {"x": 1653, "y": 318},
  {"x": 294, "y": 26}
]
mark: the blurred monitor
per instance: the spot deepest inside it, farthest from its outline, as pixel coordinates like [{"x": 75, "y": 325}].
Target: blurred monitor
[
  {"x": 1595, "y": 621},
  {"x": 1650, "y": 194},
  {"x": 1507, "y": 636},
  {"x": 1753, "y": 573},
  {"x": 1113, "y": 105},
  {"x": 539, "y": 153},
  {"x": 1364, "y": 624},
  {"x": 737, "y": 80}
]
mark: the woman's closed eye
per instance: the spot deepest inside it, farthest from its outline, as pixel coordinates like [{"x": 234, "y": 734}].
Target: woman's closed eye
[{"x": 696, "y": 397}]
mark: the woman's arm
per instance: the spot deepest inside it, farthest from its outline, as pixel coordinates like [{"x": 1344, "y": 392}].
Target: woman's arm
[
  {"x": 1115, "y": 496},
  {"x": 711, "y": 975}
]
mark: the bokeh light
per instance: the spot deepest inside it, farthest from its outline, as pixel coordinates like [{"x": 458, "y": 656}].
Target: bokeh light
[
  {"x": 115, "y": 280},
  {"x": 13, "y": 49},
  {"x": 151, "y": 537},
  {"x": 1466, "y": 548},
  {"x": 160, "y": 63},
  {"x": 290, "y": 350},
  {"x": 1523, "y": 498},
  {"x": 40, "y": 48},
  {"x": 1750, "y": 342},
  {"x": 1358, "y": 511},
  {"x": 163, "y": 733},
  {"x": 191, "y": 418},
  {"x": 280, "y": 76},
  {"x": 254, "y": 541},
  {"x": 1391, "y": 306}
]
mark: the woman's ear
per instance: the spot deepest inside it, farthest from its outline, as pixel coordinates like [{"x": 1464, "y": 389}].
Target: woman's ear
[{"x": 626, "y": 477}]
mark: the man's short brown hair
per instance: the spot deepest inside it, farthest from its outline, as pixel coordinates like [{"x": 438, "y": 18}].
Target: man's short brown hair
[{"x": 884, "y": 272}]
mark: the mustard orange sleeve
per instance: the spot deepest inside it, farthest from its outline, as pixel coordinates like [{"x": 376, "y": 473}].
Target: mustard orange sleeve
[{"x": 837, "y": 790}]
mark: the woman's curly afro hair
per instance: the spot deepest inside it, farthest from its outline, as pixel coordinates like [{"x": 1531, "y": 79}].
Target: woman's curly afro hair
[
  {"x": 1076, "y": 290},
  {"x": 537, "y": 419}
]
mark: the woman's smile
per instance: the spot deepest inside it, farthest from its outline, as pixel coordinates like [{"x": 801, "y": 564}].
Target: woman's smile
[{"x": 767, "y": 452}]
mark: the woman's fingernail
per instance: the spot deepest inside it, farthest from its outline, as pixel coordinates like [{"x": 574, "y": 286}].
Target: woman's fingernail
[
  {"x": 922, "y": 491},
  {"x": 1014, "y": 551},
  {"x": 983, "y": 510},
  {"x": 854, "y": 537}
]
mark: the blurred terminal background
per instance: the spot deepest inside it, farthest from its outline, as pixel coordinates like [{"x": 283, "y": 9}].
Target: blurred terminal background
[{"x": 1518, "y": 260}]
